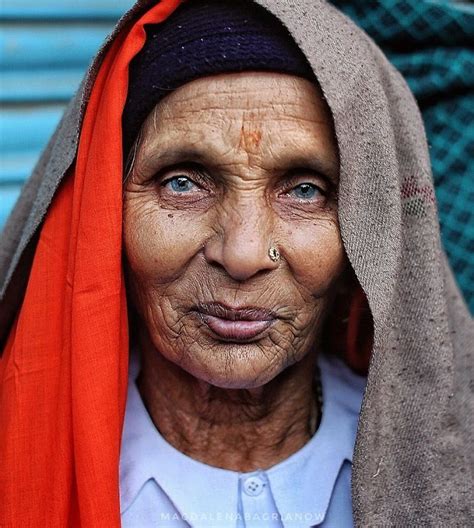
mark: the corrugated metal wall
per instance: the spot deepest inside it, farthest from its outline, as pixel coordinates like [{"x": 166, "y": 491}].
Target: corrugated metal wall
[{"x": 45, "y": 47}]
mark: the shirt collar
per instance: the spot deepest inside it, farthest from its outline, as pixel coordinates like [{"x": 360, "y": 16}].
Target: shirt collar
[
  {"x": 313, "y": 469},
  {"x": 147, "y": 455}
]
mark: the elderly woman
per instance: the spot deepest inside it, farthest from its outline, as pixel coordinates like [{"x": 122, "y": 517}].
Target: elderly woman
[{"x": 231, "y": 189}]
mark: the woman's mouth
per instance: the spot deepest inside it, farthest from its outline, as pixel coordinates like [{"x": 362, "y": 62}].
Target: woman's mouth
[{"x": 235, "y": 324}]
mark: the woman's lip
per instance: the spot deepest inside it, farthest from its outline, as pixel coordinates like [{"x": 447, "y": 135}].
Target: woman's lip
[
  {"x": 243, "y": 313},
  {"x": 235, "y": 329},
  {"x": 236, "y": 324}
]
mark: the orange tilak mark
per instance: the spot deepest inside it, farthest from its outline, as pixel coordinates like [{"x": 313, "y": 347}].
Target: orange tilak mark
[{"x": 249, "y": 138}]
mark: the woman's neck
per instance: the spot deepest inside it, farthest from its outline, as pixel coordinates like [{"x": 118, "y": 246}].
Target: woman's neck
[{"x": 235, "y": 429}]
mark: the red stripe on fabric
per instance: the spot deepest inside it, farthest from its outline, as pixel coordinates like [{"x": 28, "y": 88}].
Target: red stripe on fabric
[{"x": 63, "y": 374}]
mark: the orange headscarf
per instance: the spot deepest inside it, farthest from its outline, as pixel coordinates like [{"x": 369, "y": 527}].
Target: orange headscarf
[{"x": 63, "y": 374}]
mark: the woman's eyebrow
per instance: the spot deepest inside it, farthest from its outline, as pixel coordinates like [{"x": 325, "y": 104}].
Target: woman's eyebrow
[
  {"x": 319, "y": 164},
  {"x": 175, "y": 155}
]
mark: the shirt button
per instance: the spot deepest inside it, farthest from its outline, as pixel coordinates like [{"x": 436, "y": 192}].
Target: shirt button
[{"x": 253, "y": 486}]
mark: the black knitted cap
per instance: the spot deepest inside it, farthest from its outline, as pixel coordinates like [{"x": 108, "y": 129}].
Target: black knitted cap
[{"x": 205, "y": 38}]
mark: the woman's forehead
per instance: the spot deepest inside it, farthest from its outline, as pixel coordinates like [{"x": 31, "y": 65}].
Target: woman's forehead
[
  {"x": 253, "y": 84},
  {"x": 272, "y": 116}
]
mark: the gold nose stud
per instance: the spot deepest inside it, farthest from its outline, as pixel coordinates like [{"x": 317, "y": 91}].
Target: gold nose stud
[{"x": 274, "y": 254}]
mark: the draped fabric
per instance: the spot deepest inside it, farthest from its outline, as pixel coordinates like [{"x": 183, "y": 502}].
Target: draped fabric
[
  {"x": 64, "y": 370},
  {"x": 431, "y": 44}
]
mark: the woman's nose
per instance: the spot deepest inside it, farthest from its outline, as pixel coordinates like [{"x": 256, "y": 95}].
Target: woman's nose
[{"x": 241, "y": 245}]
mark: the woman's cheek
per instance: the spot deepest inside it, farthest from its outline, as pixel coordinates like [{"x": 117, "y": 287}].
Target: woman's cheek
[
  {"x": 316, "y": 255},
  {"x": 160, "y": 243}
]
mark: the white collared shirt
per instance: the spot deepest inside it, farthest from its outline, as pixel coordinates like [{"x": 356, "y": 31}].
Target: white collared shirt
[{"x": 162, "y": 487}]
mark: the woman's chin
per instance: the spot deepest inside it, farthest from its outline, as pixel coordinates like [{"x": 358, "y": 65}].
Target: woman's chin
[{"x": 236, "y": 368}]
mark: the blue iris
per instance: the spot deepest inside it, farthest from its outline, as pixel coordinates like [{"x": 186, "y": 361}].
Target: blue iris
[
  {"x": 180, "y": 184},
  {"x": 306, "y": 190}
]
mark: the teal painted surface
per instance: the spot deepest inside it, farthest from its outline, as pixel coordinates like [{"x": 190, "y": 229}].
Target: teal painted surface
[
  {"x": 27, "y": 128},
  {"x": 38, "y": 87},
  {"x": 9, "y": 195},
  {"x": 15, "y": 169},
  {"x": 45, "y": 48},
  {"x": 63, "y": 9},
  {"x": 39, "y": 47}
]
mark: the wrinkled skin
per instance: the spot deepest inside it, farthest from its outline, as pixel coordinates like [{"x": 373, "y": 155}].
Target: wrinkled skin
[{"x": 227, "y": 166}]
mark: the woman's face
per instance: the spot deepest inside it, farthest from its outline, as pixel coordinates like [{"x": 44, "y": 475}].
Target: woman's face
[{"x": 226, "y": 167}]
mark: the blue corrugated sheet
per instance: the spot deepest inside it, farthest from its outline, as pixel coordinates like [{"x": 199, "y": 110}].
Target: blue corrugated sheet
[
  {"x": 63, "y": 10},
  {"x": 45, "y": 47}
]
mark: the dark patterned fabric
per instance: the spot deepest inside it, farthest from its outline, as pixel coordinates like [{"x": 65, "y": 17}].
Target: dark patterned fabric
[
  {"x": 432, "y": 44},
  {"x": 206, "y": 38}
]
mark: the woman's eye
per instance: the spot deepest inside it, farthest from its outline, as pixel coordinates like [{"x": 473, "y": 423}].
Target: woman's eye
[
  {"x": 306, "y": 191},
  {"x": 179, "y": 184}
]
